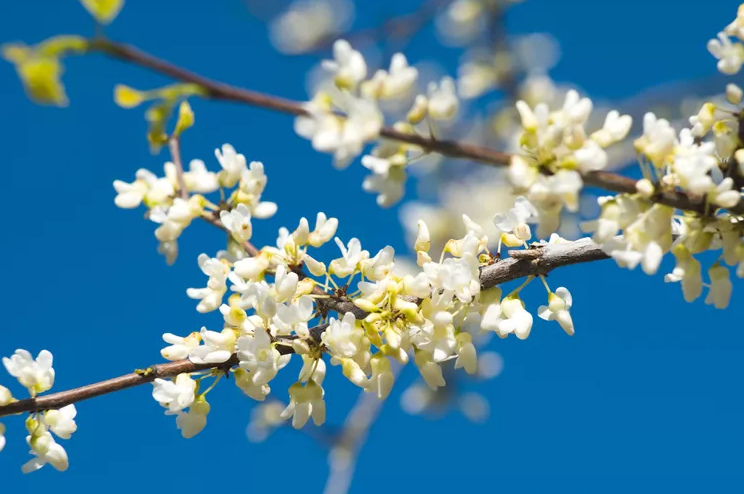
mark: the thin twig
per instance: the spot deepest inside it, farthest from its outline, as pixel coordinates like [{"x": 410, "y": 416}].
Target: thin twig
[
  {"x": 174, "y": 146},
  {"x": 549, "y": 257},
  {"x": 454, "y": 149}
]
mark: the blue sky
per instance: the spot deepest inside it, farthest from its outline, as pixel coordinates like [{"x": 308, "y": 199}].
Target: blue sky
[{"x": 646, "y": 396}]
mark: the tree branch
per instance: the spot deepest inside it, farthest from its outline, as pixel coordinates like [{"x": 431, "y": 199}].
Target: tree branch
[
  {"x": 454, "y": 149},
  {"x": 532, "y": 262}
]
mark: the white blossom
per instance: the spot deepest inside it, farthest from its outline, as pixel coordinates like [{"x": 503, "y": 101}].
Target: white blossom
[
  {"x": 62, "y": 421},
  {"x": 342, "y": 337},
  {"x": 35, "y": 375},
  {"x": 238, "y": 222},
  {"x": 325, "y": 229},
  {"x": 395, "y": 83},
  {"x": 443, "y": 102},
  {"x": 719, "y": 294},
  {"x": 174, "y": 395},
  {"x": 258, "y": 356},
  {"x": 730, "y": 55},
  {"x": 233, "y": 165},
  {"x": 348, "y": 66},
  {"x": 211, "y": 296},
  {"x": 180, "y": 347},
  {"x": 45, "y": 450},
  {"x": 218, "y": 347},
  {"x": 305, "y": 402},
  {"x": 200, "y": 180},
  {"x": 508, "y": 317},
  {"x": 352, "y": 255},
  {"x": 559, "y": 304}
]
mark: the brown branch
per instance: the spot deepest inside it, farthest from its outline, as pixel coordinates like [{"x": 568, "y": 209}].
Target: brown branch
[
  {"x": 64, "y": 398},
  {"x": 537, "y": 261},
  {"x": 454, "y": 149},
  {"x": 174, "y": 146}
]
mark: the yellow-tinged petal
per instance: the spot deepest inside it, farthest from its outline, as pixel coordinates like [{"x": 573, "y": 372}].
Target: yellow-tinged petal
[
  {"x": 104, "y": 11},
  {"x": 185, "y": 117},
  {"x": 41, "y": 78},
  {"x": 127, "y": 97}
]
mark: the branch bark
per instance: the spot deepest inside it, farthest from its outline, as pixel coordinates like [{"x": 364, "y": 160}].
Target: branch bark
[
  {"x": 453, "y": 149},
  {"x": 531, "y": 262}
]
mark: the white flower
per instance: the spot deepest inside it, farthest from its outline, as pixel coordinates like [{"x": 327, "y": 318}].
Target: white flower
[
  {"x": 174, "y": 395},
  {"x": 725, "y": 194},
  {"x": 688, "y": 272},
  {"x": 130, "y": 195},
  {"x": 521, "y": 174},
  {"x": 381, "y": 382},
  {"x": 2, "y": 436},
  {"x": 344, "y": 137},
  {"x": 430, "y": 371},
  {"x": 180, "y": 347},
  {"x": 400, "y": 78},
  {"x": 325, "y": 229},
  {"x": 443, "y": 102},
  {"x": 730, "y": 55},
  {"x": 62, "y": 421},
  {"x": 615, "y": 129},
  {"x": 693, "y": 162},
  {"x": 5, "y": 396},
  {"x": 734, "y": 94},
  {"x": 285, "y": 284},
  {"x": 351, "y": 257},
  {"x": 304, "y": 24},
  {"x": 348, "y": 65},
  {"x": 211, "y": 296},
  {"x": 238, "y": 222},
  {"x": 458, "y": 275},
  {"x": 252, "y": 184},
  {"x": 515, "y": 221},
  {"x": 35, "y": 375},
  {"x": 388, "y": 181},
  {"x": 305, "y": 402},
  {"x": 466, "y": 354},
  {"x": 720, "y": 287},
  {"x": 45, "y": 450},
  {"x": 244, "y": 380},
  {"x": 379, "y": 266},
  {"x": 590, "y": 157},
  {"x": 258, "y": 355},
  {"x": 294, "y": 317},
  {"x": 557, "y": 309},
  {"x": 217, "y": 347},
  {"x": 233, "y": 165},
  {"x": 393, "y": 84},
  {"x": 658, "y": 140},
  {"x": 342, "y": 337},
  {"x": 436, "y": 335},
  {"x": 250, "y": 268},
  {"x": 508, "y": 317},
  {"x": 147, "y": 187},
  {"x": 192, "y": 422},
  {"x": 200, "y": 180},
  {"x": 312, "y": 368}
]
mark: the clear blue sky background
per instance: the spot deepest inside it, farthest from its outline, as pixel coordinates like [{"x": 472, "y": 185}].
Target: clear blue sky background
[{"x": 647, "y": 396}]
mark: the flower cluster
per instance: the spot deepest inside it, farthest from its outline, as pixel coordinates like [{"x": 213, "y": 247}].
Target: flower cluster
[
  {"x": 173, "y": 209},
  {"x": 37, "y": 376},
  {"x": 277, "y": 310},
  {"x": 706, "y": 163},
  {"x": 346, "y": 115},
  {"x": 557, "y": 152}
]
